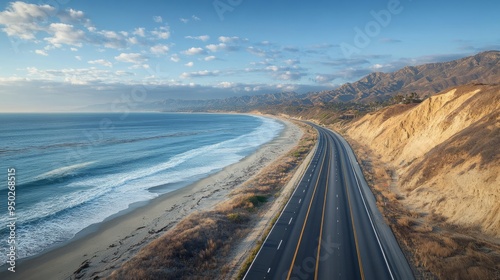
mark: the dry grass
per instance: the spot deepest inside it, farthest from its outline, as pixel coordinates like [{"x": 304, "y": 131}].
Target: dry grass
[
  {"x": 445, "y": 150},
  {"x": 197, "y": 248},
  {"x": 435, "y": 249}
]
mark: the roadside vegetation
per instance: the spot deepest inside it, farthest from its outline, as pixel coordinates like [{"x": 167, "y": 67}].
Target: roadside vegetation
[
  {"x": 199, "y": 245},
  {"x": 436, "y": 249},
  {"x": 336, "y": 112}
]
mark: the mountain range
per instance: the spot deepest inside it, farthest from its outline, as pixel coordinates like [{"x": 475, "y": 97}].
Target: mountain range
[{"x": 425, "y": 80}]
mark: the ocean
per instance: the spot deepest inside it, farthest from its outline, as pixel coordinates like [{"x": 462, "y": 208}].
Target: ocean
[{"x": 75, "y": 170}]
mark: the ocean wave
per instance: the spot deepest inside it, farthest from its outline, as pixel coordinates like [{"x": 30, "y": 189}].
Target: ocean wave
[
  {"x": 59, "y": 218},
  {"x": 91, "y": 142},
  {"x": 63, "y": 171}
]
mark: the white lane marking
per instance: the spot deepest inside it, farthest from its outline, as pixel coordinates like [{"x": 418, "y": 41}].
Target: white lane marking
[
  {"x": 279, "y": 245},
  {"x": 368, "y": 214},
  {"x": 268, "y": 270},
  {"x": 300, "y": 200},
  {"x": 265, "y": 240},
  {"x": 304, "y": 191},
  {"x": 290, "y": 220}
]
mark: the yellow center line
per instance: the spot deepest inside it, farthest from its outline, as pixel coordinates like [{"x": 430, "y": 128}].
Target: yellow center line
[
  {"x": 353, "y": 226},
  {"x": 322, "y": 218},
  {"x": 305, "y": 221}
]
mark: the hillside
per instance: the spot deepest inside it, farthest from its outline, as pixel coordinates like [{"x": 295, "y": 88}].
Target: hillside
[
  {"x": 426, "y": 79},
  {"x": 434, "y": 168},
  {"x": 445, "y": 151}
]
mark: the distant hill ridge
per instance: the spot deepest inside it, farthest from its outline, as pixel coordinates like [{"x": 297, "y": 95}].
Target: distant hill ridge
[
  {"x": 427, "y": 79},
  {"x": 423, "y": 79}
]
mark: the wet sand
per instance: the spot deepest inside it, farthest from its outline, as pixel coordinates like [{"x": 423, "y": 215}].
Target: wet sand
[{"x": 103, "y": 247}]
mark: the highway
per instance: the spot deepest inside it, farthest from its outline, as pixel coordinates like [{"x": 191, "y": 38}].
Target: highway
[{"x": 330, "y": 228}]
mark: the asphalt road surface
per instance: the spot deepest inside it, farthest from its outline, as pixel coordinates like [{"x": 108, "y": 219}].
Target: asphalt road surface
[{"x": 330, "y": 227}]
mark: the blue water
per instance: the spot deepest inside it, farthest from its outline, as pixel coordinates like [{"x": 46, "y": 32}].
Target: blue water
[{"x": 74, "y": 170}]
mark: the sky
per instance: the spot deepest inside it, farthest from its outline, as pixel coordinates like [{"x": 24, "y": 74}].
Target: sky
[{"x": 60, "y": 55}]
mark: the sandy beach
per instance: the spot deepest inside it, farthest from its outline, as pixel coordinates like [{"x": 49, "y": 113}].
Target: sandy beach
[{"x": 101, "y": 248}]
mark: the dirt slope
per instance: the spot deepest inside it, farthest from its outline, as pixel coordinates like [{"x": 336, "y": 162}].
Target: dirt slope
[{"x": 445, "y": 151}]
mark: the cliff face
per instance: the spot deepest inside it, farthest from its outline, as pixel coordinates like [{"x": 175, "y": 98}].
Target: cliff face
[{"x": 446, "y": 153}]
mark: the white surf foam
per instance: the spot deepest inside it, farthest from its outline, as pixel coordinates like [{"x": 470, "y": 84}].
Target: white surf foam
[{"x": 58, "y": 219}]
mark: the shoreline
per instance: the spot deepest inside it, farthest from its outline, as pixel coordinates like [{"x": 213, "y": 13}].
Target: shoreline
[{"x": 100, "y": 248}]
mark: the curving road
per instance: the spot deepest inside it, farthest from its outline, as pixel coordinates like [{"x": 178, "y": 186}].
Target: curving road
[{"x": 330, "y": 227}]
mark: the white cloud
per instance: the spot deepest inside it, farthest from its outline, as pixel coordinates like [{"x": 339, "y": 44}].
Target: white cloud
[
  {"x": 78, "y": 57},
  {"x": 159, "y": 49},
  {"x": 74, "y": 16},
  {"x": 139, "y": 66},
  {"x": 65, "y": 34},
  {"x": 124, "y": 73},
  {"x": 24, "y": 20},
  {"x": 135, "y": 58},
  {"x": 110, "y": 39},
  {"x": 290, "y": 75},
  {"x": 194, "y": 51},
  {"x": 287, "y": 87},
  {"x": 186, "y": 20},
  {"x": 157, "y": 19},
  {"x": 204, "y": 73},
  {"x": 175, "y": 58},
  {"x": 325, "y": 78},
  {"x": 41, "y": 52},
  {"x": 102, "y": 62},
  {"x": 221, "y": 47},
  {"x": 141, "y": 31},
  {"x": 282, "y": 72},
  {"x": 273, "y": 68},
  {"x": 189, "y": 64},
  {"x": 70, "y": 27},
  {"x": 216, "y": 48},
  {"x": 92, "y": 76},
  {"x": 162, "y": 32},
  {"x": 209, "y": 58},
  {"x": 226, "y": 85},
  {"x": 14, "y": 79},
  {"x": 133, "y": 40},
  {"x": 224, "y": 39},
  {"x": 292, "y": 61},
  {"x": 257, "y": 51},
  {"x": 203, "y": 38},
  {"x": 74, "y": 49}
]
